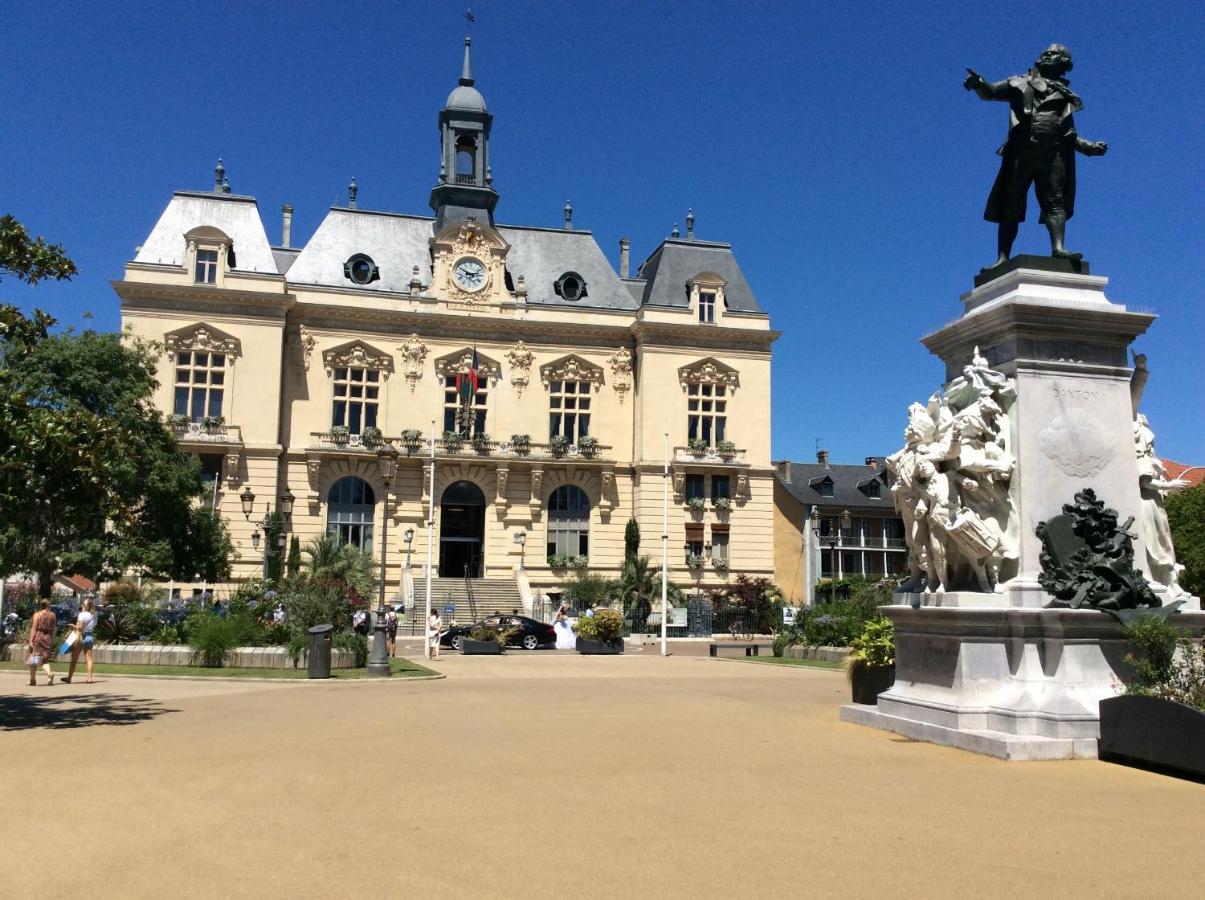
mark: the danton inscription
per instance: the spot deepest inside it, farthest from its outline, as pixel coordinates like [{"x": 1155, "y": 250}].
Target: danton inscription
[{"x": 1064, "y": 393}]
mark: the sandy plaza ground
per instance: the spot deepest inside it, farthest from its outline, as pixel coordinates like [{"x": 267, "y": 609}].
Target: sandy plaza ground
[{"x": 546, "y": 775}]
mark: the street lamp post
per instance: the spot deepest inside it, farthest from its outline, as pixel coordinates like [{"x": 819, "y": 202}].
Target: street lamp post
[
  {"x": 285, "y": 507},
  {"x": 409, "y": 540},
  {"x": 521, "y": 540},
  {"x": 378, "y": 662},
  {"x": 832, "y": 539}
]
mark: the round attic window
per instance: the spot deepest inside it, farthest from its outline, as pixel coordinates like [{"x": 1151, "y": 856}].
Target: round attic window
[
  {"x": 571, "y": 286},
  {"x": 360, "y": 269}
]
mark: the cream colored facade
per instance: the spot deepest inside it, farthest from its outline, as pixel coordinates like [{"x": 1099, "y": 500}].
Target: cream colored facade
[{"x": 284, "y": 323}]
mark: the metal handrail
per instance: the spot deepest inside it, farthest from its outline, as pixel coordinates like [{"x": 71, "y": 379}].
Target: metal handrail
[{"x": 468, "y": 590}]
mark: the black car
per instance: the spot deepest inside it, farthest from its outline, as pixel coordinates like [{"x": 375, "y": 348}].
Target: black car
[{"x": 528, "y": 633}]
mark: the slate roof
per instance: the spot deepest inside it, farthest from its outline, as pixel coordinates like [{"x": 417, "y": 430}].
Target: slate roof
[
  {"x": 234, "y": 215},
  {"x": 677, "y": 261},
  {"x": 395, "y": 242},
  {"x": 804, "y": 479},
  {"x": 285, "y": 257},
  {"x": 543, "y": 255}
]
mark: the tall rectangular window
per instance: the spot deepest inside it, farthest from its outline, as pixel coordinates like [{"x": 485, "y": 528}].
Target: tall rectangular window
[
  {"x": 694, "y": 541},
  {"x": 707, "y": 306},
  {"x": 707, "y": 412},
  {"x": 720, "y": 487},
  {"x": 569, "y": 409},
  {"x": 475, "y": 421},
  {"x": 207, "y": 267},
  {"x": 200, "y": 383},
  {"x": 719, "y": 545},
  {"x": 694, "y": 487},
  {"x": 356, "y": 395}
]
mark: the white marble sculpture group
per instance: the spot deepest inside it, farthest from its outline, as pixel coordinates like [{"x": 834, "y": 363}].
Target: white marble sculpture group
[{"x": 952, "y": 485}]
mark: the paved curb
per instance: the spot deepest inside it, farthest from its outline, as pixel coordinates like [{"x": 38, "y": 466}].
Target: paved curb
[{"x": 228, "y": 679}]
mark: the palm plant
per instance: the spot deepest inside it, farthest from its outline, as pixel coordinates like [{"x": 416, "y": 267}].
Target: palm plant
[
  {"x": 639, "y": 583},
  {"x": 331, "y": 561}
]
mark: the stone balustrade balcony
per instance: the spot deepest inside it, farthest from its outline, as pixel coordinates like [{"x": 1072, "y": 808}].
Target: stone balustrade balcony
[
  {"x": 193, "y": 433},
  {"x": 709, "y": 456},
  {"x": 468, "y": 448}
]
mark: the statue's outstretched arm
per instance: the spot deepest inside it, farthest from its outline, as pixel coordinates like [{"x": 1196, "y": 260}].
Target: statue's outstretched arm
[
  {"x": 1091, "y": 148},
  {"x": 987, "y": 90}
]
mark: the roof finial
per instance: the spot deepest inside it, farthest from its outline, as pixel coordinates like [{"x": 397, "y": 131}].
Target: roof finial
[
  {"x": 568, "y": 216},
  {"x": 225, "y": 185},
  {"x": 466, "y": 74},
  {"x": 219, "y": 173},
  {"x": 690, "y": 224},
  {"x": 675, "y": 233},
  {"x": 352, "y": 190}
]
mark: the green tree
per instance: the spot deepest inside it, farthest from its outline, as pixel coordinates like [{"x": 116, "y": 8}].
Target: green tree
[
  {"x": 31, "y": 259},
  {"x": 631, "y": 540},
  {"x": 294, "y": 564},
  {"x": 1186, "y": 515},
  {"x": 91, "y": 479}
]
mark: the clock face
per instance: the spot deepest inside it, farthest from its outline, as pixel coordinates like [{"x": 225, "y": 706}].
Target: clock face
[{"x": 469, "y": 273}]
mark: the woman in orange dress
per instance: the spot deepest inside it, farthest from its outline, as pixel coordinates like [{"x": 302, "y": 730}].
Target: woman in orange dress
[{"x": 41, "y": 639}]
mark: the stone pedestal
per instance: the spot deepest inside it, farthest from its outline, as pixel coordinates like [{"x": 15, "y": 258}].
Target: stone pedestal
[
  {"x": 1010, "y": 683},
  {"x": 997, "y": 673}
]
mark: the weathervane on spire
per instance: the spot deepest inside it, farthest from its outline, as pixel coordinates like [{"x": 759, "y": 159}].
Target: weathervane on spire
[{"x": 469, "y": 19}]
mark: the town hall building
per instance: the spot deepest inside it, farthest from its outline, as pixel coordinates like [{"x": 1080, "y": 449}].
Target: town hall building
[{"x": 547, "y": 378}]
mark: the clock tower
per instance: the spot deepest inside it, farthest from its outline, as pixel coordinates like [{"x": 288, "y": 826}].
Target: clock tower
[{"x": 465, "y": 191}]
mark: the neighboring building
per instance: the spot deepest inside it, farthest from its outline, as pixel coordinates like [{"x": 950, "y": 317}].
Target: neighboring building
[
  {"x": 283, "y": 362},
  {"x": 811, "y": 497},
  {"x": 1194, "y": 475}
]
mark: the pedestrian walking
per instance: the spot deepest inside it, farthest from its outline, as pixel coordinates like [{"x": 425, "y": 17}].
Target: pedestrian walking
[
  {"x": 41, "y": 640},
  {"x": 435, "y": 626},
  {"x": 85, "y": 624},
  {"x": 391, "y": 631}
]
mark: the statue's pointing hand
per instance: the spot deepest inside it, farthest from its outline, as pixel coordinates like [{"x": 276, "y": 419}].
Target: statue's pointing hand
[
  {"x": 974, "y": 80},
  {"x": 1096, "y": 148}
]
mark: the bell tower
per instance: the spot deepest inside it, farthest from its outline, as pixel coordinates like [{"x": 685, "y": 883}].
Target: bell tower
[{"x": 465, "y": 190}]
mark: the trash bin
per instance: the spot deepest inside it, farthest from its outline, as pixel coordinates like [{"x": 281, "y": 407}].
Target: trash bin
[{"x": 320, "y": 651}]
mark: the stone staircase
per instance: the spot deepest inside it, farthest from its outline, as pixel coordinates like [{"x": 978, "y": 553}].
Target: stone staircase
[{"x": 491, "y": 595}]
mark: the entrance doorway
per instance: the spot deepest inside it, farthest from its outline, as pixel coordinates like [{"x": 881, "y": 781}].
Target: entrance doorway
[{"x": 461, "y": 530}]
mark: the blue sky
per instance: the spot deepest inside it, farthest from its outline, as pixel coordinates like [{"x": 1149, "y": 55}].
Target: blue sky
[{"x": 831, "y": 143}]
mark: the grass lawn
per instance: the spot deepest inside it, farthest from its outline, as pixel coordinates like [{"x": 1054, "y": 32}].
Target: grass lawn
[
  {"x": 400, "y": 667},
  {"x": 787, "y": 661}
]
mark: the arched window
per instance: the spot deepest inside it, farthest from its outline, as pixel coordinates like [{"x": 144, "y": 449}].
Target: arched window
[
  {"x": 466, "y": 160},
  {"x": 349, "y": 507},
  {"x": 568, "y": 522}
]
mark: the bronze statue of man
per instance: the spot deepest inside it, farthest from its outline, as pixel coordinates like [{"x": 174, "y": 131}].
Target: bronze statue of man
[{"x": 1040, "y": 149}]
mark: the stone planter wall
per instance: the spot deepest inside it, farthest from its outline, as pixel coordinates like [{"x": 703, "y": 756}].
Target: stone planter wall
[
  {"x": 176, "y": 655},
  {"x": 826, "y": 654}
]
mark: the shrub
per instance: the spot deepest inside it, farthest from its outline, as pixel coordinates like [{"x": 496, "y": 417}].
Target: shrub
[
  {"x": 144, "y": 620},
  {"x": 211, "y": 637},
  {"x": 349, "y": 640},
  {"x": 1166, "y": 663},
  {"x": 121, "y": 593},
  {"x": 831, "y": 625},
  {"x": 169, "y": 634},
  {"x": 605, "y": 625},
  {"x": 116, "y": 626},
  {"x": 874, "y": 648},
  {"x": 485, "y": 634},
  {"x": 783, "y": 640},
  {"x": 587, "y": 589}
]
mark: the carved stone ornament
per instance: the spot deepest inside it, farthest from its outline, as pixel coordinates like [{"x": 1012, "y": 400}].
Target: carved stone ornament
[
  {"x": 571, "y": 368},
  {"x": 1076, "y": 443},
  {"x": 313, "y": 469},
  {"x": 204, "y": 338},
  {"x": 501, "y": 474},
  {"x": 742, "y": 484},
  {"x": 520, "y": 358},
  {"x": 305, "y": 343},
  {"x": 621, "y": 372},
  {"x": 608, "y": 481},
  {"x": 537, "y": 479},
  {"x": 414, "y": 353},
  {"x": 679, "y": 481},
  {"x": 359, "y": 355},
  {"x": 709, "y": 371},
  {"x": 462, "y": 361},
  {"x": 233, "y": 458}
]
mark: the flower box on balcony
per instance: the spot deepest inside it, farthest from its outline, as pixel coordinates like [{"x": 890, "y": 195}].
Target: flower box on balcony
[
  {"x": 178, "y": 421},
  {"x": 411, "y": 439},
  {"x": 371, "y": 438},
  {"x": 697, "y": 446},
  {"x": 481, "y": 442},
  {"x": 694, "y": 561},
  {"x": 213, "y": 424},
  {"x": 696, "y": 504},
  {"x": 723, "y": 504},
  {"x": 340, "y": 435},
  {"x": 520, "y": 443},
  {"x": 452, "y": 441},
  {"x": 726, "y": 449},
  {"x": 559, "y": 445},
  {"x": 588, "y": 446}
]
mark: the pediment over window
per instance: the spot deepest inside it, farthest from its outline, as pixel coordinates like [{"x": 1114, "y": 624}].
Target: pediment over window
[
  {"x": 708, "y": 280},
  {"x": 462, "y": 361},
  {"x": 202, "y": 337},
  {"x": 359, "y": 354},
  {"x": 571, "y": 368},
  {"x": 709, "y": 371}
]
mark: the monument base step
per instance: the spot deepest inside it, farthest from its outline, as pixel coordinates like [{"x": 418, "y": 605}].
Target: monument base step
[{"x": 998, "y": 744}]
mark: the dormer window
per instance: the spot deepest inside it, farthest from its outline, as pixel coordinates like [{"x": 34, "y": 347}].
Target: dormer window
[
  {"x": 707, "y": 307},
  {"x": 207, "y": 267},
  {"x": 705, "y": 294},
  {"x": 360, "y": 269},
  {"x": 822, "y": 486},
  {"x": 571, "y": 286},
  {"x": 872, "y": 490}
]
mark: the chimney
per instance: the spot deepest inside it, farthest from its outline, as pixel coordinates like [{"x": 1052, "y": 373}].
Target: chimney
[
  {"x": 872, "y": 463},
  {"x": 625, "y": 257},
  {"x": 822, "y": 458},
  {"x": 286, "y": 224},
  {"x": 784, "y": 469}
]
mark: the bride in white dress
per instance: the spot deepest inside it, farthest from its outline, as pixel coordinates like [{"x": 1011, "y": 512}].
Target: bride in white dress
[{"x": 565, "y": 638}]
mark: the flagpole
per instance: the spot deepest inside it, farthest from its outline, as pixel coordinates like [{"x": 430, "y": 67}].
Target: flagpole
[
  {"x": 665, "y": 546},
  {"x": 430, "y": 528}
]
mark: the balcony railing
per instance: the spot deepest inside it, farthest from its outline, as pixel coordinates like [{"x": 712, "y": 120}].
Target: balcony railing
[
  {"x": 200, "y": 433},
  {"x": 709, "y": 456},
  {"x": 325, "y": 440},
  {"x": 863, "y": 542}
]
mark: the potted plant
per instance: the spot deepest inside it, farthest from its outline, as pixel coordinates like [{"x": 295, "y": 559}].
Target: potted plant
[
  {"x": 871, "y": 666},
  {"x": 600, "y": 634},
  {"x": 520, "y": 443},
  {"x": 452, "y": 441},
  {"x": 696, "y": 504},
  {"x": 726, "y": 449},
  {"x": 483, "y": 641},
  {"x": 694, "y": 560},
  {"x": 411, "y": 439},
  {"x": 720, "y": 565},
  {"x": 588, "y": 445},
  {"x": 579, "y": 561},
  {"x": 340, "y": 435},
  {"x": 559, "y": 445},
  {"x": 213, "y": 424},
  {"x": 724, "y": 504},
  {"x": 697, "y": 446},
  {"x": 481, "y": 442},
  {"x": 558, "y": 561},
  {"x": 371, "y": 437},
  {"x": 178, "y": 421},
  {"x": 1159, "y": 720}
]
